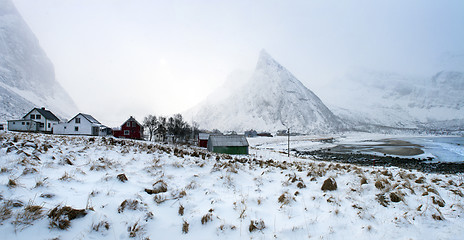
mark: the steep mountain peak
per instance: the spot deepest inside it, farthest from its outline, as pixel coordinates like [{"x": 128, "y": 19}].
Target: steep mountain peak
[
  {"x": 266, "y": 61},
  {"x": 273, "y": 99}
]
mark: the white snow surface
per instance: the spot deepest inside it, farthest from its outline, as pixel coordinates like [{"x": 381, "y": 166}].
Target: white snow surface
[
  {"x": 27, "y": 77},
  {"x": 81, "y": 172},
  {"x": 271, "y": 100}
]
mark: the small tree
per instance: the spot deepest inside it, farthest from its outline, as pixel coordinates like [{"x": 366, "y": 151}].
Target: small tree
[
  {"x": 151, "y": 123},
  {"x": 162, "y": 127}
]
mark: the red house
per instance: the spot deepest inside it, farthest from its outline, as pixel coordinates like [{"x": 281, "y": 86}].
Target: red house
[
  {"x": 203, "y": 140},
  {"x": 130, "y": 129}
]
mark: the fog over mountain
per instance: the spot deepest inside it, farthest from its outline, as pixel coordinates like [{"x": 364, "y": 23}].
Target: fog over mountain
[
  {"x": 27, "y": 77},
  {"x": 272, "y": 99}
]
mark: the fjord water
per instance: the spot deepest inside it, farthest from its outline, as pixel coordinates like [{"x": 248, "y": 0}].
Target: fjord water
[{"x": 444, "y": 149}]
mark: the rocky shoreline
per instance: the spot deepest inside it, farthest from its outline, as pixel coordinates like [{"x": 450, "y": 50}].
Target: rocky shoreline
[{"x": 423, "y": 165}]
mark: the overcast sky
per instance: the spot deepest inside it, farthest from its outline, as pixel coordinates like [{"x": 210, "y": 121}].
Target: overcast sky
[{"x": 119, "y": 58}]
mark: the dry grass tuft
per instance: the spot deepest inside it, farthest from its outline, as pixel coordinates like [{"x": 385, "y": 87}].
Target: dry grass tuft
[
  {"x": 66, "y": 177},
  {"x": 438, "y": 201},
  {"x": 160, "y": 198},
  {"x": 181, "y": 210},
  {"x": 128, "y": 204},
  {"x": 395, "y": 197},
  {"x": 60, "y": 217},
  {"x": 12, "y": 183},
  {"x": 363, "y": 180},
  {"x": 101, "y": 164},
  {"x": 329, "y": 185},
  {"x": 122, "y": 177},
  {"x": 256, "y": 225},
  {"x": 135, "y": 230},
  {"x": 5, "y": 212},
  {"x": 382, "y": 200},
  {"x": 185, "y": 227},
  {"x": 158, "y": 187},
  {"x": 285, "y": 198},
  {"x": 101, "y": 226},
  {"x": 30, "y": 214},
  {"x": 206, "y": 218}
]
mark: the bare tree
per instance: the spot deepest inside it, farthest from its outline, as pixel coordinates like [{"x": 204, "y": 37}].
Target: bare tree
[
  {"x": 150, "y": 122},
  {"x": 162, "y": 127}
]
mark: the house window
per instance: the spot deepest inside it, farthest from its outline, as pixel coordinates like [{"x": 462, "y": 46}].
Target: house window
[
  {"x": 128, "y": 124},
  {"x": 78, "y": 120},
  {"x": 27, "y": 123},
  {"x": 133, "y": 124},
  {"x": 49, "y": 125},
  {"x": 41, "y": 124},
  {"x": 64, "y": 127},
  {"x": 38, "y": 116},
  {"x": 23, "y": 123},
  {"x": 32, "y": 116},
  {"x": 126, "y": 132},
  {"x": 76, "y": 129}
]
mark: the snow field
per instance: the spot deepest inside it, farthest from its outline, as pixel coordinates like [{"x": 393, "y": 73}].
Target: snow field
[{"x": 220, "y": 195}]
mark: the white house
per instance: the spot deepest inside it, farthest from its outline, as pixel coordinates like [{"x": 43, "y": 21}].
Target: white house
[
  {"x": 82, "y": 124},
  {"x": 37, "y": 120}
]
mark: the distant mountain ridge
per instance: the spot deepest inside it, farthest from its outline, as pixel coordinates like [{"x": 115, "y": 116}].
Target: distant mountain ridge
[
  {"x": 374, "y": 100},
  {"x": 27, "y": 77},
  {"x": 271, "y": 100}
]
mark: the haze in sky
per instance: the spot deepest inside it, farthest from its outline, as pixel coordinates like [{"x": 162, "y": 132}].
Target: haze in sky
[{"x": 119, "y": 58}]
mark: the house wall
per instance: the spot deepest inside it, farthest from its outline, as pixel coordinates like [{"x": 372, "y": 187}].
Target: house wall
[
  {"x": 22, "y": 125},
  {"x": 47, "y": 124},
  {"x": 84, "y": 127},
  {"x": 230, "y": 150},
  {"x": 203, "y": 143},
  {"x": 135, "y": 132}
]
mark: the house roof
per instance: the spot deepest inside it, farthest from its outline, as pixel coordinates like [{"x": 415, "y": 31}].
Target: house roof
[
  {"x": 86, "y": 116},
  {"x": 45, "y": 113},
  {"x": 228, "y": 140},
  {"x": 132, "y": 119},
  {"x": 203, "y": 136}
]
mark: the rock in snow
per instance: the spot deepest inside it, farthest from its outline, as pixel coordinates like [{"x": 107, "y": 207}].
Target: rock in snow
[
  {"x": 272, "y": 99},
  {"x": 27, "y": 77}
]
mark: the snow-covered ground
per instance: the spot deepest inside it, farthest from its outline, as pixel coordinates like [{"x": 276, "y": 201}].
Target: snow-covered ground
[{"x": 179, "y": 192}]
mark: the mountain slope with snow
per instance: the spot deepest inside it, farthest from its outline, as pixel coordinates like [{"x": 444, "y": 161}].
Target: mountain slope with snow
[
  {"x": 382, "y": 99},
  {"x": 272, "y": 99},
  {"x": 27, "y": 77}
]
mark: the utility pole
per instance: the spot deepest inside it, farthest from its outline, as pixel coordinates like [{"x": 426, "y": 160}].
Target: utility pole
[{"x": 288, "y": 142}]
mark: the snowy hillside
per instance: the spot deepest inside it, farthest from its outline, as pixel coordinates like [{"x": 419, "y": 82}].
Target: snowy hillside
[
  {"x": 272, "y": 99},
  {"x": 58, "y": 187},
  {"x": 401, "y": 101},
  {"x": 27, "y": 77}
]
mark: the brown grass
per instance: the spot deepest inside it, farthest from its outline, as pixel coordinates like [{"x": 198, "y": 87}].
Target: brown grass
[
  {"x": 128, "y": 204},
  {"x": 60, "y": 217},
  {"x": 30, "y": 214},
  {"x": 101, "y": 226},
  {"x": 135, "y": 230},
  {"x": 206, "y": 218},
  {"x": 5, "y": 212},
  {"x": 256, "y": 225},
  {"x": 181, "y": 210},
  {"x": 185, "y": 227}
]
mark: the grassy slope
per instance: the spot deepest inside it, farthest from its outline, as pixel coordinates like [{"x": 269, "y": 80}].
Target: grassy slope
[{"x": 220, "y": 195}]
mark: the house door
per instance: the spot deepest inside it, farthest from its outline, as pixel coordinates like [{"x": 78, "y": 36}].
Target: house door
[{"x": 95, "y": 131}]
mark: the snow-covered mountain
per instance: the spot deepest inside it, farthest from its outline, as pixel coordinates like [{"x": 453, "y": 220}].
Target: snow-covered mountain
[
  {"x": 27, "y": 77},
  {"x": 374, "y": 98},
  {"x": 272, "y": 99}
]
